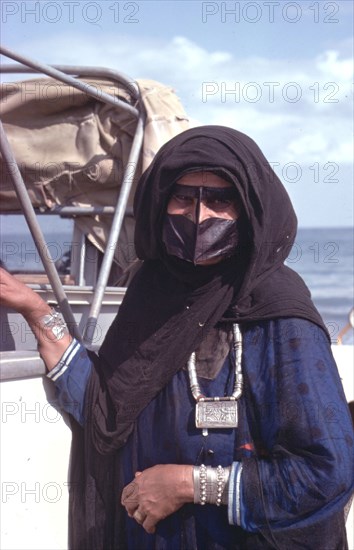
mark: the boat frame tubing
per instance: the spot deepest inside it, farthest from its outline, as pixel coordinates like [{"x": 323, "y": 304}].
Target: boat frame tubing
[{"x": 59, "y": 72}]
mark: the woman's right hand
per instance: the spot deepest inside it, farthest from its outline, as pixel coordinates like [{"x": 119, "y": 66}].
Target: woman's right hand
[{"x": 24, "y": 300}]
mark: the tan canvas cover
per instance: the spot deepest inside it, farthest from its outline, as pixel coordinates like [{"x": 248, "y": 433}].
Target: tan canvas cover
[{"x": 72, "y": 149}]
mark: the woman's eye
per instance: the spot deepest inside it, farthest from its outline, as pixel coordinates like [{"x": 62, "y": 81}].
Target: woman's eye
[
  {"x": 219, "y": 204},
  {"x": 185, "y": 199}
]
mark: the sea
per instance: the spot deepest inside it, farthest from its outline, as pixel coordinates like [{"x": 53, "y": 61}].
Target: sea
[{"x": 322, "y": 256}]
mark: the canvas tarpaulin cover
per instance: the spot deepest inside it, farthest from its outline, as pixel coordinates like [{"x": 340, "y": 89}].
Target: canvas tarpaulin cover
[{"x": 72, "y": 149}]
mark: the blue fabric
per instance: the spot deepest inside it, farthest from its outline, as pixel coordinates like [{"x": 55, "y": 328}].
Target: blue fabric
[
  {"x": 166, "y": 434},
  {"x": 304, "y": 433},
  {"x": 236, "y": 512},
  {"x": 71, "y": 384},
  {"x": 294, "y": 440}
]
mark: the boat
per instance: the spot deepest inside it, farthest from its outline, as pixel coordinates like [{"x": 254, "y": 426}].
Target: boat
[{"x": 107, "y": 128}]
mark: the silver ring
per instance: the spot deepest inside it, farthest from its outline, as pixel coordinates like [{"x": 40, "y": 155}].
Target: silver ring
[{"x": 138, "y": 516}]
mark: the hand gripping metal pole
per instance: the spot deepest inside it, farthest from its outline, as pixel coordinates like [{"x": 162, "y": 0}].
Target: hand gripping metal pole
[{"x": 21, "y": 191}]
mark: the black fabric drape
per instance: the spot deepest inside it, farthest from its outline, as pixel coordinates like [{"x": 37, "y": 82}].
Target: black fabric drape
[
  {"x": 171, "y": 305},
  {"x": 154, "y": 332}
]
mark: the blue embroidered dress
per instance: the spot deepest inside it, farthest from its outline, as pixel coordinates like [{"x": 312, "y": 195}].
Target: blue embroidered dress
[{"x": 294, "y": 433}]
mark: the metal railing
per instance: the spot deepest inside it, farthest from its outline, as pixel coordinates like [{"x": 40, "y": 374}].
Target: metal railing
[{"x": 63, "y": 74}]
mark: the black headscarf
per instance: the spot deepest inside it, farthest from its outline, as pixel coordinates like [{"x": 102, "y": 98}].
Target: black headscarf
[{"x": 171, "y": 305}]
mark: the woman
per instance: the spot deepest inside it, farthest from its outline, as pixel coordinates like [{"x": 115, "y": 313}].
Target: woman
[{"x": 157, "y": 461}]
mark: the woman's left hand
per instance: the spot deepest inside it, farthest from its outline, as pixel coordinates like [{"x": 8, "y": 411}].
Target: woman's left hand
[{"x": 157, "y": 492}]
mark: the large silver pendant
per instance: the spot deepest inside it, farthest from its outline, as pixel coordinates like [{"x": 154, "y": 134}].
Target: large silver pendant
[{"x": 216, "y": 414}]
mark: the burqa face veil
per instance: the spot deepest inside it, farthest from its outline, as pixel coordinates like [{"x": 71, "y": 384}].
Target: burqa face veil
[{"x": 196, "y": 240}]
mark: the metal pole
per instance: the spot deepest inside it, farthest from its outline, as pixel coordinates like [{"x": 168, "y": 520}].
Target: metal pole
[
  {"x": 88, "y": 89},
  {"x": 126, "y": 185},
  {"x": 37, "y": 234},
  {"x": 115, "y": 230},
  {"x": 81, "y": 71}
]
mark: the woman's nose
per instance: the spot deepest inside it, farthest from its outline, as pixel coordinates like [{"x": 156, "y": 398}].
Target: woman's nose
[{"x": 204, "y": 212}]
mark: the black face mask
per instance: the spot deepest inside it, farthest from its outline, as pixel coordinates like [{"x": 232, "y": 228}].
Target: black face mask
[
  {"x": 212, "y": 238},
  {"x": 193, "y": 242}
]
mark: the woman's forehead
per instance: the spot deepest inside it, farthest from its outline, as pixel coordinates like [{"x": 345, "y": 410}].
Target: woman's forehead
[
  {"x": 205, "y": 192},
  {"x": 204, "y": 179}
]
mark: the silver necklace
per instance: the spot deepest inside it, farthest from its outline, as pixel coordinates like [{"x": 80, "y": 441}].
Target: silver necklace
[{"x": 217, "y": 412}]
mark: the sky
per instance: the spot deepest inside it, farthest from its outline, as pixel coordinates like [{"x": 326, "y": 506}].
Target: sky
[{"x": 282, "y": 72}]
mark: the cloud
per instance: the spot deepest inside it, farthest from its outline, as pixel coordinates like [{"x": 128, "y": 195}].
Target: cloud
[
  {"x": 298, "y": 110},
  {"x": 304, "y": 105},
  {"x": 331, "y": 66}
]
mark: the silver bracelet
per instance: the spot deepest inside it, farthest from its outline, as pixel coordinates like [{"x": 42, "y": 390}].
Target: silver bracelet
[
  {"x": 55, "y": 323},
  {"x": 211, "y": 485},
  {"x": 202, "y": 484},
  {"x": 220, "y": 484}
]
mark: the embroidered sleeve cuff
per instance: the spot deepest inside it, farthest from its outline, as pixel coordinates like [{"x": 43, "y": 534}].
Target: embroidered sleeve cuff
[
  {"x": 235, "y": 495},
  {"x": 71, "y": 376},
  {"x": 64, "y": 362}
]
